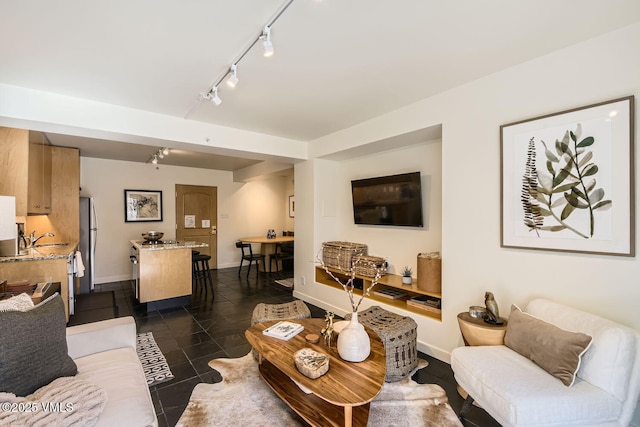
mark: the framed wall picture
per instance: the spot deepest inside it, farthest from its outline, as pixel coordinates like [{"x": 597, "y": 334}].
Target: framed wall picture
[
  {"x": 292, "y": 206},
  {"x": 567, "y": 180},
  {"x": 142, "y": 205}
]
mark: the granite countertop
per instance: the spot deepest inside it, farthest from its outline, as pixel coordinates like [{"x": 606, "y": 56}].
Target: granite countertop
[
  {"x": 169, "y": 244},
  {"x": 53, "y": 251}
]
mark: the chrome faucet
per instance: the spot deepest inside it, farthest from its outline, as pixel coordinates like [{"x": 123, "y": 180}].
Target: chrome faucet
[{"x": 33, "y": 240}]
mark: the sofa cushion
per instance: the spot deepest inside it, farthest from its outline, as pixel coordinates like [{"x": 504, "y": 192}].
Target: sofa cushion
[
  {"x": 33, "y": 347},
  {"x": 119, "y": 373},
  {"x": 608, "y": 363},
  {"x": 555, "y": 350},
  {"x": 516, "y": 391}
]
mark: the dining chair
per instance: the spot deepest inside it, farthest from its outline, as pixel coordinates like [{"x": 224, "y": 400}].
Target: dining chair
[
  {"x": 247, "y": 254},
  {"x": 283, "y": 251}
]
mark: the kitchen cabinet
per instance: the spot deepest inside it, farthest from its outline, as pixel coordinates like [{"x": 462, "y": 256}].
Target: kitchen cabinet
[
  {"x": 39, "y": 269},
  {"x": 164, "y": 274},
  {"x": 14, "y": 158},
  {"x": 59, "y": 170},
  {"x": 163, "y": 271},
  {"x": 26, "y": 170},
  {"x": 64, "y": 219},
  {"x": 39, "y": 191}
]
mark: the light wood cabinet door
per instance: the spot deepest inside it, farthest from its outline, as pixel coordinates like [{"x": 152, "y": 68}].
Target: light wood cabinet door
[
  {"x": 39, "y": 193},
  {"x": 14, "y": 160}
]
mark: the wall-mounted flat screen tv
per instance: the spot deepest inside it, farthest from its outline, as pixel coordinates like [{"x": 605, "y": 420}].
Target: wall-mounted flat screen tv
[{"x": 388, "y": 200}]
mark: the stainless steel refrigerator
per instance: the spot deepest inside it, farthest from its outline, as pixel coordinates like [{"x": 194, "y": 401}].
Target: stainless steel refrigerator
[{"x": 88, "y": 233}]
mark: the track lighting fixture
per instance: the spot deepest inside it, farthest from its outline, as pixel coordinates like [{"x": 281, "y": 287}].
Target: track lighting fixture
[
  {"x": 266, "y": 41},
  {"x": 160, "y": 154},
  {"x": 231, "y": 74},
  {"x": 232, "y": 81}
]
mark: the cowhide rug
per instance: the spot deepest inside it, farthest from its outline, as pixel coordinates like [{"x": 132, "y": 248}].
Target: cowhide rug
[{"x": 243, "y": 398}]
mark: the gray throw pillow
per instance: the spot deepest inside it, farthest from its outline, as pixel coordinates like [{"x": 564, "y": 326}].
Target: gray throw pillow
[
  {"x": 33, "y": 347},
  {"x": 555, "y": 350}
]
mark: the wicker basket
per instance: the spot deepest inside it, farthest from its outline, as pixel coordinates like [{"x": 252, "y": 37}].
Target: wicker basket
[
  {"x": 339, "y": 255},
  {"x": 369, "y": 266},
  {"x": 398, "y": 334}
]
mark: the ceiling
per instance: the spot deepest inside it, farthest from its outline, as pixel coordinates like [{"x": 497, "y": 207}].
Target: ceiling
[{"x": 337, "y": 62}]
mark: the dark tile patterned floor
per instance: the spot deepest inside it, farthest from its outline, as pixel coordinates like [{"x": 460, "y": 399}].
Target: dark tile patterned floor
[{"x": 191, "y": 335}]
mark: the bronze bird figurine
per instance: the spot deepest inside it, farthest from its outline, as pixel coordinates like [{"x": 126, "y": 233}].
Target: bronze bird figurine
[{"x": 493, "y": 314}]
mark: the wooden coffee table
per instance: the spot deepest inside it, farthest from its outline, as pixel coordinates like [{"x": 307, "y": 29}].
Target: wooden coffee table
[{"x": 340, "y": 397}]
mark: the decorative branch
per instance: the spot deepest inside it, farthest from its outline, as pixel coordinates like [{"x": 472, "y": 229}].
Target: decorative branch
[
  {"x": 566, "y": 189},
  {"x": 349, "y": 285}
]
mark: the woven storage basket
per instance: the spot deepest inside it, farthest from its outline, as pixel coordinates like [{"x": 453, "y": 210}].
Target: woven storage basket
[
  {"x": 339, "y": 255},
  {"x": 430, "y": 272},
  {"x": 369, "y": 265},
  {"x": 398, "y": 334}
]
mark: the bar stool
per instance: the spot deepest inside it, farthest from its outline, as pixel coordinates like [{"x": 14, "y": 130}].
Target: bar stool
[{"x": 200, "y": 272}]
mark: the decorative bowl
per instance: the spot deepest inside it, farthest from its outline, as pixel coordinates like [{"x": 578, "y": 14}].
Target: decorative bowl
[
  {"x": 339, "y": 326},
  {"x": 152, "y": 236},
  {"x": 311, "y": 363},
  {"x": 477, "y": 311}
]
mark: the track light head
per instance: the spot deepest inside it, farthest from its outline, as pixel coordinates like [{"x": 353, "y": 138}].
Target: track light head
[
  {"x": 166, "y": 151},
  {"x": 154, "y": 160},
  {"x": 160, "y": 155},
  {"x": 232, "y": 81},
  {"x": 266, "y": 41},
  {"x": 214, "y": 96}
]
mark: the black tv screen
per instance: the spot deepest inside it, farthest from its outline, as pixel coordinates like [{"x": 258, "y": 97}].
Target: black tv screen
[{"x": 388, "y": 200}]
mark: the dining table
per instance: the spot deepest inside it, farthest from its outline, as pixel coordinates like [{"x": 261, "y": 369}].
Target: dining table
[{"x": 267, "y": 247}]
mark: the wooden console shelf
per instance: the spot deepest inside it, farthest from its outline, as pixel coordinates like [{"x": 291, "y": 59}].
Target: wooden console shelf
[{"x": 388, "y": 281}]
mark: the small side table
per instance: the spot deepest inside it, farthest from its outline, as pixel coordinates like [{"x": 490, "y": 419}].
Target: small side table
[{"x": 478, "y": 332}]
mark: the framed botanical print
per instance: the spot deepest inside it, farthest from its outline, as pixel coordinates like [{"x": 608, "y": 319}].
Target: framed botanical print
[{"x": 567, "y": 180}]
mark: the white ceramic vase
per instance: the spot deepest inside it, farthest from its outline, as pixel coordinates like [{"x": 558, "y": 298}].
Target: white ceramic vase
[{"x": 353, "y": 341}]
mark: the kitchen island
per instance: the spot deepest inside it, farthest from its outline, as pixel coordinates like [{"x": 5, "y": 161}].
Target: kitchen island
[
  {"x": 46, "y": 263},
  {"x": 162, "y": 272}
]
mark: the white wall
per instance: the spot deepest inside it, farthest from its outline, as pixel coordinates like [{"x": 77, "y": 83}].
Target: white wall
[
  {"x": 473, "y": 261},
  {"x": 244, "y": 209},
  {"x": 334, "y": 217}
]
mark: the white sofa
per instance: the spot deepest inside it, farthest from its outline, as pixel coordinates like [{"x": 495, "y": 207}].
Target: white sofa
[
  {"x": 517, "y": 392},
  {"x": 105, "y": 353}
]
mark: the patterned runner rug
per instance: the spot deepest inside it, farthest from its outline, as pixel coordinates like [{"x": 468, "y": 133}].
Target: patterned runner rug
[{"x": 155, "y": 366}]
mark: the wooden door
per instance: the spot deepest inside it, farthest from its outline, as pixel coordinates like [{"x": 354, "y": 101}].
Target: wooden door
[{"x": 196, "y": 217}]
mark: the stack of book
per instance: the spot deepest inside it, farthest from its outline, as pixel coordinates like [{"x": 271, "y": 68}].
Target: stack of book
[
  {"x": 425, "y": 302},
  {"x": 284, "y": 330},
  {"x": 390, "y": 293}
]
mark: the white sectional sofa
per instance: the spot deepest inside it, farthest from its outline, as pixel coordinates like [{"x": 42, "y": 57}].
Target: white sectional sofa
[
  {"x": 105, "y": 354},
  {"x": 517, "y": 392}
]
